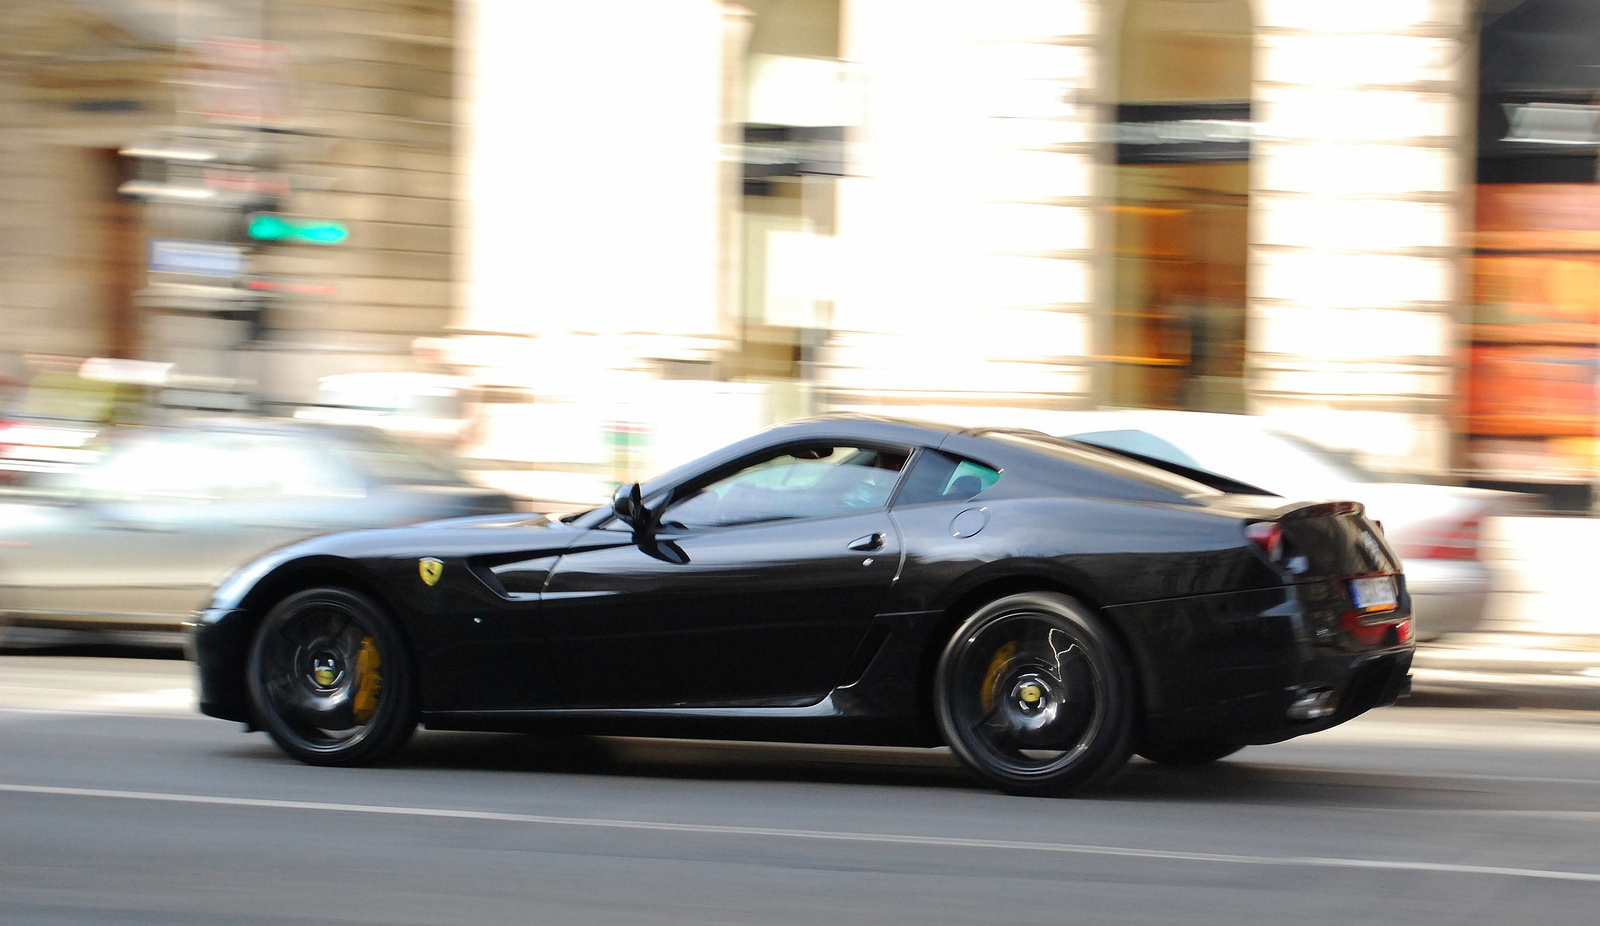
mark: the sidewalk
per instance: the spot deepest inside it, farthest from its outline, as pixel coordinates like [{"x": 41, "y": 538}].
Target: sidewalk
[
  {"x": 1510, "y": 670},
  {"x": 1540, "y": 640}
]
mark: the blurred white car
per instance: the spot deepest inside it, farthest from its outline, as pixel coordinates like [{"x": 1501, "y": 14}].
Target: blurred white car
[
  {"x": 1436, "y": 529},
  {"x": 134, "y": 540},
  {"x": 426, "y": 407}
]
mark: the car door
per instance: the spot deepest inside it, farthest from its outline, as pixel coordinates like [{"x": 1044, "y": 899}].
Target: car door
[{"x": 756, "y": 588}]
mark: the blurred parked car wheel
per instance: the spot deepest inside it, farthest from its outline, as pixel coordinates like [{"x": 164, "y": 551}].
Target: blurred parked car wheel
[
  {"x": 1033, "y": 693},
  {"x": 329, "y": 681}
]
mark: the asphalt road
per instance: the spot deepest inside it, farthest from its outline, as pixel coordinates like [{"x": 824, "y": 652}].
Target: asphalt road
[{"x": 119, "y": 805}]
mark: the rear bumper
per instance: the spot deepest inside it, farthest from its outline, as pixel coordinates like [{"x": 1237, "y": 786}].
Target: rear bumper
[
  {"x": 1364, "y": 683},
  {"x": 1264, "y": 666}
]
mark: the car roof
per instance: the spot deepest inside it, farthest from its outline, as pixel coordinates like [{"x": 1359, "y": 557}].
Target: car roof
[
  {"x": 1031, "y": 451},
  {"x": 857, "y": 426}
]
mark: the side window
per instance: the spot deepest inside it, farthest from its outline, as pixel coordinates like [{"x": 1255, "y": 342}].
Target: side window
[
  {"x": 157, "y": 469},
  {"x": 943, "y": 477},
  {"x": 813, "y": 481}
]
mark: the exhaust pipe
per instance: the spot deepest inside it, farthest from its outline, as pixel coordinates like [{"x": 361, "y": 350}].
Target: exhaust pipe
[{"x": 1314, "y": 705}]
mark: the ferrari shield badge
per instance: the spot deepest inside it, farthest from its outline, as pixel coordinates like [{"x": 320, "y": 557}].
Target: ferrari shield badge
[{"x": 430, "y": 569}]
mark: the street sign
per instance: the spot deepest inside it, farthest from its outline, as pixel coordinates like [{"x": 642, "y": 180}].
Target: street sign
[{"x": 197, "y": 258}]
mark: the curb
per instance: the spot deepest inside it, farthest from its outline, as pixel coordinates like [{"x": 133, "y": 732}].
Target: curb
[
  {"x": 1509, "y": 670},
  {"x": 1513, "y": 654}
]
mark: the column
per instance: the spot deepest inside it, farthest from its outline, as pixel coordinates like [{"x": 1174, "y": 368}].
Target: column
[
  {"x": 1360, "y": 178},
  {"x": 966, "y": 226}
]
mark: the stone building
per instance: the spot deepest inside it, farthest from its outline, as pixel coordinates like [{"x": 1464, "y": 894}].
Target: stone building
[{"x": 340, "y": 110}]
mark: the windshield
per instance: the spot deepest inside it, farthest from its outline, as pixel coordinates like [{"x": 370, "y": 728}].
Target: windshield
[{"x": 389, "y": 461}]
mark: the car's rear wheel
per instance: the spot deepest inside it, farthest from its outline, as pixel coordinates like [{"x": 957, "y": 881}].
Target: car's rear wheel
[
  {"x": 1035, "y": 694},
  {"x": 1190, "y": 753},
  {"x": 329, "y": 679}
]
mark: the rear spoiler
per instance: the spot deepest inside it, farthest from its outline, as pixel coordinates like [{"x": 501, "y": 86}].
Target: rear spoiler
[{"x": 1205, "y": 477}]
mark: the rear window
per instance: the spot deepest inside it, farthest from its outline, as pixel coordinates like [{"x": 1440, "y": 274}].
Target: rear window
[
  {"x": 1105, "y": 461},
  {"x": 937, "y": 476}
]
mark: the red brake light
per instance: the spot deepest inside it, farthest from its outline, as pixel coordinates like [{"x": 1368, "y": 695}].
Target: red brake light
[
  {"x": 1444, "y": 538},
  {"x": 1372, "y": 632},
  {"x": 1267, "y": 535}
]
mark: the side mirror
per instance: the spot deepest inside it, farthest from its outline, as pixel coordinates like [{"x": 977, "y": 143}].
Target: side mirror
[{"x": 628, "y": 504}]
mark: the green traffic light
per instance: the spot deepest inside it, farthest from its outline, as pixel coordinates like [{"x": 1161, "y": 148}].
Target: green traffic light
[
  {"x": 270, "y": 226},
  {"x": 264, "y": 226},
  {"x": 325, "y": 233}
]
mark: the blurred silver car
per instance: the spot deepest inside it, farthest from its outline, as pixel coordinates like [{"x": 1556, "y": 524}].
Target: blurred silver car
[
  {"x": 136, "y": 540},
  {"x": 1436, "y": 529}
]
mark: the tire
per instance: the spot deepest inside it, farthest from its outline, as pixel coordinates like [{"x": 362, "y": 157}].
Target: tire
[
  {"x": 330, "y": 681},
  {"x": 1035, "y": 695},
  {"x": 1188, "y": 754}
]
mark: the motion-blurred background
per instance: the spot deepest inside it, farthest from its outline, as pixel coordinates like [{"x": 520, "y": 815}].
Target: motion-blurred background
[{"x": 568, "y": 244}]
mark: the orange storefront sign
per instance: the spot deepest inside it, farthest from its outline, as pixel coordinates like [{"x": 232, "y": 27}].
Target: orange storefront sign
[{"x": 1533, "y": 406}]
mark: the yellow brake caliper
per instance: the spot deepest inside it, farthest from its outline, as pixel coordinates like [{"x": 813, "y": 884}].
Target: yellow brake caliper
[
  {"x": 990, "y": 693},
  {"x": 369, "y": 681}
]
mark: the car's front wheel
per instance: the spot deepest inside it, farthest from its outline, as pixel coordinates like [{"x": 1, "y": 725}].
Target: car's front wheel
[
  {"x": 1035, "y": 694},
  {"x": 329, "y": 680}
]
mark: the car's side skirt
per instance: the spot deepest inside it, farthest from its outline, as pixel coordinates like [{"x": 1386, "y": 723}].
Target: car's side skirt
[{"x": 822, "y": 722}]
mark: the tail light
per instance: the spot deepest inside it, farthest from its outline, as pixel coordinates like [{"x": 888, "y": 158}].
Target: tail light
[
  {"x": 1268, "y": 537},
  {"x": 1444, "y": 538},
  {"x": 1370, "y": 632}
]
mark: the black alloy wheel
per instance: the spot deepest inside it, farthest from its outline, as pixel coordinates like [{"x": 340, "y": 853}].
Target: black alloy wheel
[
  {"x": 1035, "y": 694},
  {"x": 329, "y": 680},
  {"x": 1189, "y": 753}
]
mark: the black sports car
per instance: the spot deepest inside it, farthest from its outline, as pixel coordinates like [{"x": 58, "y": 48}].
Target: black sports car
[{"x": 1043, "y": 607}]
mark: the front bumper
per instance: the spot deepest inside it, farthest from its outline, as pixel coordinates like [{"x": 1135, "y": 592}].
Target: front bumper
[{"x": 219, "y": 645}]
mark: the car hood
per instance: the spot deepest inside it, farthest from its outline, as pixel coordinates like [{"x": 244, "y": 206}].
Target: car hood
[
  {"x": 483, "y": 535},
  {"x": 514, "y": 519}
]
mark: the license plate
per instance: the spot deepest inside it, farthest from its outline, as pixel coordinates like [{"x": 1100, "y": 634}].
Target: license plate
[{"x": 1374, "y": 593}]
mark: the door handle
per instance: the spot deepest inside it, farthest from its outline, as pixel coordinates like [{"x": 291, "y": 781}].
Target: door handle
[{"x": 868, "y": 543}]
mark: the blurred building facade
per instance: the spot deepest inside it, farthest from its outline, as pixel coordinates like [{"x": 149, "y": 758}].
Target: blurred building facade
[
  {"x": 668, "y": 222},
  {"x": 139, "y": 136},
  {"x": 1533, "y": 397},
  {"x": 985, "y": 213}
]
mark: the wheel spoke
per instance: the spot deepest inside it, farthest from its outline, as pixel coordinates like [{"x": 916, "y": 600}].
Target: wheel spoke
[
  {"x": 334, "y": 717},
  {"x": 345, "y": 628},
  {"x": 996, "y": 730}
]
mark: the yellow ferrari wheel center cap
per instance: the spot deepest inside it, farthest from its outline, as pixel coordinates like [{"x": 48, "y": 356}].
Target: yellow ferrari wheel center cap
[
  {"x": 1030, "y": 694},
  {"x": 325, "y": 677}
]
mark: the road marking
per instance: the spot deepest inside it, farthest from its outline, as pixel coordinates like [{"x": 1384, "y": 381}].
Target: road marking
[
  {"x": 1446, "y": 776},
  {"x": 711, "y": 829}
]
